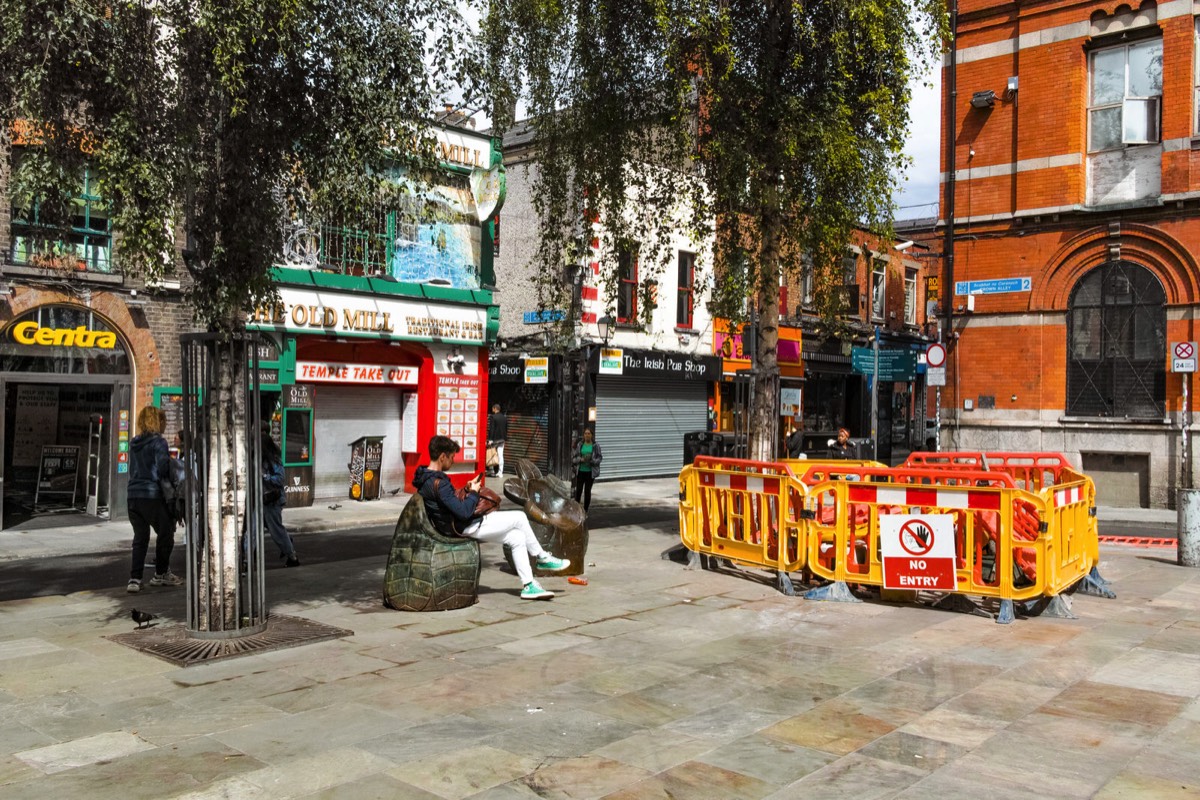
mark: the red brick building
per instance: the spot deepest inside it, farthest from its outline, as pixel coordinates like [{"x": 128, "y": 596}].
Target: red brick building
[{"x": 1076, "y": 218}]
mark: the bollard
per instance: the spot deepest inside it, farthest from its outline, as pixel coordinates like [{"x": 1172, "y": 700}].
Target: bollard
[{"x": 1187, "y": 501}]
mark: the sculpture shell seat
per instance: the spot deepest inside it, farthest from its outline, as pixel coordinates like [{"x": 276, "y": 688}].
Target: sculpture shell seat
[
  {"x": 427, "y": 571},
  {"x": 558, "y": 522}
]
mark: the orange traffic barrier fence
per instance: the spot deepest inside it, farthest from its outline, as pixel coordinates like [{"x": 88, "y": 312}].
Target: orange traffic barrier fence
[
  {"x": 1010, "y": 526},
  {"x": 746, "y": 511}
]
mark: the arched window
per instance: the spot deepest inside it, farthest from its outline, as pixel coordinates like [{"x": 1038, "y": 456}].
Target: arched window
[{"x": 1116, "y": 344}]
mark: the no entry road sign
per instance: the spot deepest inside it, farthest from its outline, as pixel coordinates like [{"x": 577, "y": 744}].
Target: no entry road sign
[{"x": 918, "y": 551}]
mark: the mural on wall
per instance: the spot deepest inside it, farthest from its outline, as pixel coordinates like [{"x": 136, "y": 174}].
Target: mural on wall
[{"x": 438, "y": 237}]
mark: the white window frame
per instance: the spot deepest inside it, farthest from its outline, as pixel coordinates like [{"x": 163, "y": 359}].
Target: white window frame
[
  {"x": 1151, "y": 105},
  {"x": 910, "y": 297},
  {"x": 878, "y": 288}
]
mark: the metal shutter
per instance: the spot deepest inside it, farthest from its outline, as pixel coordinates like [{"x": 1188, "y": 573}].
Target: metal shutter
[
  {"x": 640, "y": 423},
  {"x": 343, "y": 414}
]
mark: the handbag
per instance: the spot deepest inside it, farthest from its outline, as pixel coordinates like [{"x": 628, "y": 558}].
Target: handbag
[
  {"x": 493, "y": 457},
  {"x": 485, "y": 504}
]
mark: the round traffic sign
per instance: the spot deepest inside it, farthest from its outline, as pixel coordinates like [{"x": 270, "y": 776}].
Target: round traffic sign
[
  {"x": 935, "y": 355},
  {"x": 916, "y": 537},
  {"x": 1184, "y": 350}
]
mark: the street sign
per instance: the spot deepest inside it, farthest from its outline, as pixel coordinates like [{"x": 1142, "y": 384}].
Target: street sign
[
  {"x": 918, "y": 551},
  {"x": 935, "y": 376},
  {"x": 895, "y": 364},
  {"x": 1183, "y": 357},
  {"x": 994, "y": 286},
  {"x": 935, "y": 355}
]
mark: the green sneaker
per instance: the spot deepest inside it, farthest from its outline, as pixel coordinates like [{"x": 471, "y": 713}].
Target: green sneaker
[
  {"x": 552, "y": 564},
  {"x": 532, "y": 591}
]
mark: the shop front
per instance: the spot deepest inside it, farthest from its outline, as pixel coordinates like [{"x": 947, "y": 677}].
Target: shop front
[
  {"x": 393, "y": 368},
  {"x": 66, "y": 376},
  {"x": 645, "y": 401},
  {"x": 530, "y": 392},
  {"x": 732, "y": 399}
]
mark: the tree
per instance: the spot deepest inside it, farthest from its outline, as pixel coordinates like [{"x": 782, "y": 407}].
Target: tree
[
  {"x": 770, "y": 129},
  {"x": 217, "y": 119}
]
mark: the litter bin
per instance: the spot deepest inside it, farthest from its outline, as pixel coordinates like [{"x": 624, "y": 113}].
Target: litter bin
[
  {"x": 366, "y": 459},
  {"x": 697, "y": 443}
]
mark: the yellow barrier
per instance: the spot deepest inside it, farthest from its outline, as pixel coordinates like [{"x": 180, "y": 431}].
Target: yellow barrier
[{"x": 1015, "y": 527}]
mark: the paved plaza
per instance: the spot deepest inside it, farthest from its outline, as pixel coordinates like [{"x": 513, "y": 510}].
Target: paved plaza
[{"x": 652, "y": 681}]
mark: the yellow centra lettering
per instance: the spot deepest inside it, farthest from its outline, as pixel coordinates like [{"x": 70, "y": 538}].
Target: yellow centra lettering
[{"x": 30, "y": 333}]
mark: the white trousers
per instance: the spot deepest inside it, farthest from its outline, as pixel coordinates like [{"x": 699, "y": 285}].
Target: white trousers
[
  {"x": 500, "y": 456},
  {"x": 510, "y": 528}
]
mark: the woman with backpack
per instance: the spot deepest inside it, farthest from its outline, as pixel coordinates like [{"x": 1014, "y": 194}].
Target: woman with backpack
[{"x": 149, "y": 466}]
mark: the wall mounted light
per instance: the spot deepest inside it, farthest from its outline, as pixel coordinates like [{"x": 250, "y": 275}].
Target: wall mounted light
[{"x": 984, "y": 99}]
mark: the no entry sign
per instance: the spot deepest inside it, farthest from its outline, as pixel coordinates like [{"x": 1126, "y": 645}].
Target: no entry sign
[{"x": 918, "y": 551}]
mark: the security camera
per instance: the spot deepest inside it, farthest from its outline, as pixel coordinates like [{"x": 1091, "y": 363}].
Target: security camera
[{"x": 904, "y": 245}]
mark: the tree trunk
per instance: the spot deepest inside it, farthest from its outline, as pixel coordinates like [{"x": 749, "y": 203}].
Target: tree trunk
[
  {"x": 764, "y": 403},
  {"x": 226, "y": 491}
]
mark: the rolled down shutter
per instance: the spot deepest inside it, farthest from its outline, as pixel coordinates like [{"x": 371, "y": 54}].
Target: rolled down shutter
[
  {"x": 344, "y": 413},
  {"x": 640, "y": 423},
  {"x": 528, "y": 428}
]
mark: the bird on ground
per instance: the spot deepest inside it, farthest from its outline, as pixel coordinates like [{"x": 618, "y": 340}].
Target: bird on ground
[
  {"x": 142, "y": 618},
  {"x": 335, "y": 506},
  {"x": 396, "y": 490}
]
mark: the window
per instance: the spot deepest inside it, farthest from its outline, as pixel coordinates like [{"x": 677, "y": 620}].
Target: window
[
  {"x": 878, "y": 288},
  {"x": 1116, "y": 338},
  {"x": 910, "y": 297},
  {"x": 685, "y": 296},
  {"x": 38, "y": 241},
  {"x": 1126, "y": 95},
  {"x": 627, "y": 287}
]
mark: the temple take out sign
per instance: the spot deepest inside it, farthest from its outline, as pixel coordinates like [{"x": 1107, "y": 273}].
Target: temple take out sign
[{"x": 373, "y": 316}]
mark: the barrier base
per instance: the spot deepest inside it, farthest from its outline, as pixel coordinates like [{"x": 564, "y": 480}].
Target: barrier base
[
  {"x": 836, "y": 592},
  {"x": 1057, "y": 607},
  {"x": 784, "y": 582},
  {"x": 1095, "y": 585},
  {"x": 961, "y": 605}
]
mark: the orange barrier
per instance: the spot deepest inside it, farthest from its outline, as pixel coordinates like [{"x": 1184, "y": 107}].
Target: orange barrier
[{"x": 1023, "y": 524}]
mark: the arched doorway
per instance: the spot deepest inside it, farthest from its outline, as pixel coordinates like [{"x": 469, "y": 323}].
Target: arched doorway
[
  {"x": 66, "y": 380},
  {"x": 1116, "y": 344}
]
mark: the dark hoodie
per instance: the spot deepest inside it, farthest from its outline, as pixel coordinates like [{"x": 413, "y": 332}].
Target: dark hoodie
[
  {"x": 442, "y": 505},
  {"x": 149, "y": 460}
]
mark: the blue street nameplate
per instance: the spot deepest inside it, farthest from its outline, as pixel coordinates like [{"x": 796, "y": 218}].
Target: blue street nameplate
[{"x": 994, "y": 286}]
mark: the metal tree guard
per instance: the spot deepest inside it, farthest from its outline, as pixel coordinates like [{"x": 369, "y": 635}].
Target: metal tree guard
[{"x": 226, "y": 585}]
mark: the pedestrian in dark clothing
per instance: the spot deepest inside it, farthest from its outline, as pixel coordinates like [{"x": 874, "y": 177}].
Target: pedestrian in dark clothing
[
  {"x": 497, "y": 433},
  {"x": 150, "y": 462},
  {"x": 274, "y": 501},
  {"x": 795, "y": 442},
  {"x": 586, "y": 459}
]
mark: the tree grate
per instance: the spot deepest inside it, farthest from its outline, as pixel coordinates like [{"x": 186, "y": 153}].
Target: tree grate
[{"x": 174, "y": 645}]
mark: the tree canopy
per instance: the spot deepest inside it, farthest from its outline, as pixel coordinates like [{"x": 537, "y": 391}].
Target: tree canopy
[
  {"x": 219, "y": 117},
  {"x": 770, "y": 129}
]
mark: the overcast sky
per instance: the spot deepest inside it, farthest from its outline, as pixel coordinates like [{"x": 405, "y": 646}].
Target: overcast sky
[{"x": 919, "y": 193}]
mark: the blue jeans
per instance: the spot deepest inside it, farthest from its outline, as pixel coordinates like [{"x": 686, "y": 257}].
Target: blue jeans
[{"x": 273, "y": 517}]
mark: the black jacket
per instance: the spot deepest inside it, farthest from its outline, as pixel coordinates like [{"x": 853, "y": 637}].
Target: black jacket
[
  {"x": 497, "y": 427},
  {"x": 442, "y": 505},
  {"x": 149, "y": 460}
]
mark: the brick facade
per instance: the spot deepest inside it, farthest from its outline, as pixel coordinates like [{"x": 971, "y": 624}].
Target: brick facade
[{"x": 1032, "y": 201}]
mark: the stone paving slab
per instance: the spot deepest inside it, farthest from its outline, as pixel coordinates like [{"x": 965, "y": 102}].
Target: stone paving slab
[{"x": 652, "y": 681}]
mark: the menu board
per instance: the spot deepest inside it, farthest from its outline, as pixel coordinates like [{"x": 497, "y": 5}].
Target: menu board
[
  {"x": 408, "y": 422},
  {"x": 36, "y": 417},
  {"x": 458, "y": 412}
]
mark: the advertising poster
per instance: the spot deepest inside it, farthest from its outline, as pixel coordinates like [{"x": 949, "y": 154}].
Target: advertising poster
[{"x": 36, "y": 417}]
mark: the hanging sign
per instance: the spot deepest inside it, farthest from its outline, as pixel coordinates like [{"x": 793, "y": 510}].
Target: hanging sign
[
  {"x": 611, "y": 361},
  {"x": 537, "y": 370}
]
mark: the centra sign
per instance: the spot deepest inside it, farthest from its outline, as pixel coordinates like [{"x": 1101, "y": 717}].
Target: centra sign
[{"x": 32, "y": 333}]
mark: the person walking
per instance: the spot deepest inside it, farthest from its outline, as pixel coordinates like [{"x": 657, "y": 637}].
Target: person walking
[
  {"x": 795, "y": 440},
  {"x": 274, "y": 501},
  {"x": 511, "y": 528},
  {"x": 586, "y": 459},
  {"x": 497, "y": 432},
  {"x": 150, "y": 463}
]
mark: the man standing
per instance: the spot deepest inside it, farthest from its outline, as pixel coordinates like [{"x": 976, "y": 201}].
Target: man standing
[{"x": 497, "y": 432}]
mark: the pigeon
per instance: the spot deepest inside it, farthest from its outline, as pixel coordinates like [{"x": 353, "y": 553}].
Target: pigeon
[
  {"x": 142, "y": 618},
  {"x": 396, "y": 490},
  {"x": 335, "y": 506}
]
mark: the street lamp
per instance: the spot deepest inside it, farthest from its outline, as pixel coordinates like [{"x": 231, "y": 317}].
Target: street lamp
[{"x": 604, "y": 328}]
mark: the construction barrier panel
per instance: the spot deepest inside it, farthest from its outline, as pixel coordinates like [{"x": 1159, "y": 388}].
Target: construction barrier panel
[{"x": 1013, "y": 526}]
